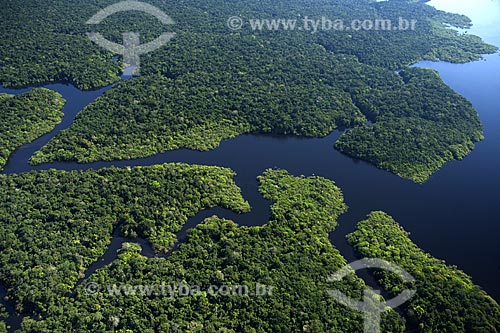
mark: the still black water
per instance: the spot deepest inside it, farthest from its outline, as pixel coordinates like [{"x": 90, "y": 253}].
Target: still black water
[{"x": 455, "y": 215}]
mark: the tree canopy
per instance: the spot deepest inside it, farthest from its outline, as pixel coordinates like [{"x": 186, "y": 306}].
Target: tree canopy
[
  {"x": 446, "y": 299},
  {"x": 55, "y": 224},
  {"x": 25, "y": 117},
  {"x": 291, "y": 253}
]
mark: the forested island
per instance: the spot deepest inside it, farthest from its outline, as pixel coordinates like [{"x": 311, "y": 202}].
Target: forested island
[
  {"x": 431, "y": 126},
  {"x": 446, "y": 300},
  {"x": 25, "y": 117}
]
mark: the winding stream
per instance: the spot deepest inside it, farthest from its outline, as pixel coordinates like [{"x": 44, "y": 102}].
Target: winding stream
[{"x": 454, "y": 215}]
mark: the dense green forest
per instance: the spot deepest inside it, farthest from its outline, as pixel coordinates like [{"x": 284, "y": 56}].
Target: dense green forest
[
  {"x": 395, "y": 50},
  {"x": 446, "y": 298},
  {"x": 210, "y": 83},
  {"x": 45, "y": 41},
  {"x": 432, "y": 126},
  {"x": 25, "y": 117},
  {"x": 291, "y": 253},
  {"x": 54, "y": 224}
]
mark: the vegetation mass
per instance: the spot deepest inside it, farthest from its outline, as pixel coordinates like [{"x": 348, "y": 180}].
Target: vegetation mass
[
  {"x": 54, "y": 224},
  {"x": 446, "y": 299},
  {"x": 26, "y": 117},
  {"x": 291, "y": 253}
]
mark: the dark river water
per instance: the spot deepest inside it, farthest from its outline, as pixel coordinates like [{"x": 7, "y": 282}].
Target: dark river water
[{"x": 454, "y": 216}]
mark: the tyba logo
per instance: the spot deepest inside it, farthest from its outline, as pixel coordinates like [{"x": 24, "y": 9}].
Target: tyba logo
[{"x": 131, "y": 48}]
